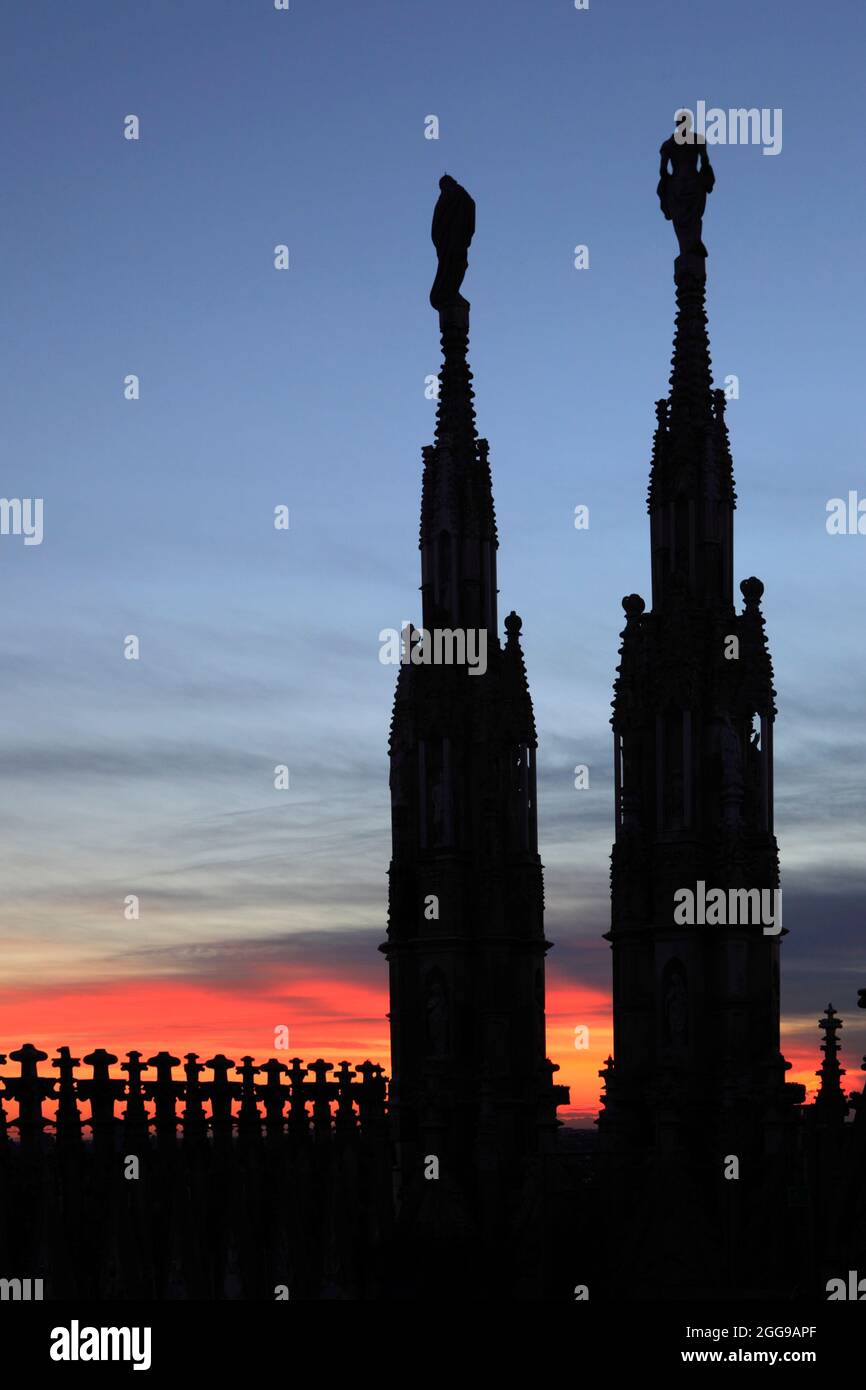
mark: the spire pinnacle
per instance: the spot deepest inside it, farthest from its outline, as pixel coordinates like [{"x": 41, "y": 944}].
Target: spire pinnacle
[
  {"x": 458, "y": 525},
  {"x": 830, "y": 1100},
  {"x": 690, "y": 401},
  {"x": 691, "y": 493},
  {"x": 455, "y": 412}
]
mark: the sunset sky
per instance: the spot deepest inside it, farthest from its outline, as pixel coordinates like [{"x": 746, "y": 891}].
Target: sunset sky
[{"x": 262, "y": 908}]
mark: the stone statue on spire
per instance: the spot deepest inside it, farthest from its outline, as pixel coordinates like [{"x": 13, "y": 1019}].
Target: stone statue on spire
[
  {"x": 452, "y": 231},
  {"x": 683, "y": 189}
]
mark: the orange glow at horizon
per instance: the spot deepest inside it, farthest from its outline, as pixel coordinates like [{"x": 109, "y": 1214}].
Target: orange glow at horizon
[{"x": 327, "y": 1016}]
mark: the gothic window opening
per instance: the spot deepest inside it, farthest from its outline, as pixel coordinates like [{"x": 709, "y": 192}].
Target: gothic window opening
[
  {"x": 444, "y": 573},
  {"x": 757, "y": 771},
  {"x": 682, "y": 537},
  {"x": 437, "y": 781},
  {"x": 437, "y": 1018},
  {"x": 522, "y": 791}
]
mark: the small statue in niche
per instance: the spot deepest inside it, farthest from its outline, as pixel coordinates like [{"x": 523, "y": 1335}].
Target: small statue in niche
[
  {"x": 731, "y": 755},
  {"x": 754, "y": 770},
  {"x": 731, "y": 778},
  {"x": 676, "y": 1010},
  {"x": 436, "y": 1010},
  {"x": 440, "y": 794},
  {"x": 438, "y": 799}
]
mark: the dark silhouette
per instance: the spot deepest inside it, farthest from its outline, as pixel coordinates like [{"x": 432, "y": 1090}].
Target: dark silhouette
[
  {"x": 697, "y": 1082},
  {"x": 697, "y": 1071},
  {"x": 457, "y": 1181},
  {"x": 255, "y": 1184},
  {"x": 452, "y": 232},
  {"x": 472, "y": 1088},
  {"x": 683, "y": 189}
]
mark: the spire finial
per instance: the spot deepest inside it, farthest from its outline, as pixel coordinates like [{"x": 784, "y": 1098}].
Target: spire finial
[
  {"x": 752, "y": 590},
  {"x": 455, "y": 412},
  {"x": 633, "y": 607},
  {"x": 830, "y": 1099}
]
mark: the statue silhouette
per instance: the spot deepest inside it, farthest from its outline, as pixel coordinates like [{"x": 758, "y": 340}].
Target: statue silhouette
[
  {"x": 683, "y": 189},
  {"x": 452, "y": 231}
]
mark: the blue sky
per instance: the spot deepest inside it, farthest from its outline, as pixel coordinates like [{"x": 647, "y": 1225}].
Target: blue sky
[{"x": 306, "y": 388}]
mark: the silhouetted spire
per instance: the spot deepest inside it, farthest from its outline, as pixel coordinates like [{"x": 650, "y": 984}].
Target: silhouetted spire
[
  {"x": 520, "y": 719},
  {"x": 466, "y": 942},
  {"x": 68, "y": 1116},
  {"x": 691, "y": 493},
  {"x": 696, "y": 1013},
  {"x": 691, "y": 371},
  {"x": 458, "y": 527},
  {"x": 691, "y": 484},
  {"x": 455, "y": 412},
  {"x": 458, "y": 524},
  {"x": 830, "y": 1101}
]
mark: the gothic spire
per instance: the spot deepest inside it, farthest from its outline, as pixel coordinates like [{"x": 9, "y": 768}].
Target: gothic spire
[
  {"x": 466, "y": 942},
  {"x": 458, "y": 528},
  {"x": 691, "y": 493},
  {"x": 693, "y": 720}
]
